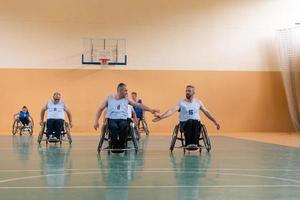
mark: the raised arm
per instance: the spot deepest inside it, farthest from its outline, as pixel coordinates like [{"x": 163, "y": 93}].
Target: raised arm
[
  {"x": 68, "y": 112},
  {"x": 143, "y": 107},
  {"x": 99, "y": 112},
  {"x": 209, "y": 116},
  {"x": 167, "y": 114},
  {"x": 43, "y": 114},
  {"x": 15, "y": 116}
]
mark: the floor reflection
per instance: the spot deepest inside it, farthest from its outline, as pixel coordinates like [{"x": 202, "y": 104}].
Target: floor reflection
[
  {"x": 54, "y": 159},
  {"x": 23, "y": 146},
  {"x": 120, "y": 170},
  {"x": 190, "y": 171}
]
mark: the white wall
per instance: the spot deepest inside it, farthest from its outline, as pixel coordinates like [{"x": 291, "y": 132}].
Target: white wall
[{"x": 183, "y": 34}]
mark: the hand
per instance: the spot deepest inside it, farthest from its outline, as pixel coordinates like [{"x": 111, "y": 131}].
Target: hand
[
  {"x": 154, "y": 111},
  {"x": 218, "y": 126},
  {"x": 96, "y": 125},
  {"x": 70, "y": 124},
  {"x": 157, "y": 118}
]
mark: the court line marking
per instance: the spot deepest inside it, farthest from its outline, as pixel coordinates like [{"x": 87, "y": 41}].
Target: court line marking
[
  {"x": 152, "y": 187},
  {"x": 106, "y": 172},
  {"x": 151, "y": 169}
]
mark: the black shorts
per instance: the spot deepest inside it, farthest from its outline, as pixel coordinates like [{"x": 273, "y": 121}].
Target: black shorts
[
  {"x": 24, "y": 120},
  {"x": 191, "y": 130}
]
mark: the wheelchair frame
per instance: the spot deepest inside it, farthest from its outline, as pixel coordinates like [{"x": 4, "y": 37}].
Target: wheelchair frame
[
  {"x": 202, "y": 137},
  {"x": 19, "y": 127},
  {"x": 106, "y": 136},
  {"x": 66, "y": 131}
]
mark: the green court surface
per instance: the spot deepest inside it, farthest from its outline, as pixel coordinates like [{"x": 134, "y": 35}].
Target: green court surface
[{"x": 235, "y": 169}]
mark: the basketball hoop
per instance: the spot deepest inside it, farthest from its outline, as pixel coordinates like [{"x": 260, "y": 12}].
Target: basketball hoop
[{"x": 104, "y": 61}]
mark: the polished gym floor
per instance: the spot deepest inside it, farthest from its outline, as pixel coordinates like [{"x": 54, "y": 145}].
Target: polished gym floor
[{"x": 234, "y": 169}]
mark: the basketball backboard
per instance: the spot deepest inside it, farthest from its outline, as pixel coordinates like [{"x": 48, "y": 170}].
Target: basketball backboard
[{"x": 97, "y": 50}]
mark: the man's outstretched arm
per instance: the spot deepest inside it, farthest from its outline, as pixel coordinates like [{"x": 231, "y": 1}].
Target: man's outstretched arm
[
  {"x": 167, "y": 114},
  {"x": 143, "y": 107}
]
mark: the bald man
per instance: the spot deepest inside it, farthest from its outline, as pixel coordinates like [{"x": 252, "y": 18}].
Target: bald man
[
  {"x": 56, "y": 116},
  {"x": 117, "y": 114},
  {"x": 189, "y": 116}
]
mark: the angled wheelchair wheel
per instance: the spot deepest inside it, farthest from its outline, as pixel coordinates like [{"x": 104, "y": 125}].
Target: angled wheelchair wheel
[
  {"x": 41, "y": 133},
  {"x": 145, "y": 127},
  {"x": 206, "y": 139},
  {"x": 134, "y": 138},
  {"x": 31, "y": 130},
  {"x": 137, "y": 133},
  {"x": 174, "y": 138},
  {"x": 15, "y": 127},
  {"x": 109, "y": 143},
  {"x": 68, "y": 132},
  {"x": 102, "y": 138}
]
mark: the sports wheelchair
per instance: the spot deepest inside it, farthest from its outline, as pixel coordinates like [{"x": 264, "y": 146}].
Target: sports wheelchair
[
  {"x": 106, "y": 136},
  {"x": 66, "y": 132},
  {"x": 18, "y": 127},
  {"x": 179, "y": 135}
]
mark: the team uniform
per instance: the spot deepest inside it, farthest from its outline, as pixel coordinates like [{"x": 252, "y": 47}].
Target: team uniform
[
  {"x": 189, "y": 117},
  {"x": 56, "y": 118},
  {"x": 139, "y": 112},
  {"x": 117, "y": 114},
  {"x": 24, "y": 118}
]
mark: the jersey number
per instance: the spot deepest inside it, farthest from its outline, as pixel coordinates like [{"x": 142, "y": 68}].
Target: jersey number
[{"x": 191, "y": 112}]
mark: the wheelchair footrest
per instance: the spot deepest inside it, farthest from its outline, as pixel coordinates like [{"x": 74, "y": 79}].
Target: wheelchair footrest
[
  {"x": 53, "y": 140},
  {"x": 112, "y": 150},
  {"x": 192, "y": 147}
]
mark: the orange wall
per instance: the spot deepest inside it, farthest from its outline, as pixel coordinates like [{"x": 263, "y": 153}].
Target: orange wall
[{"x": 241, "y": 101}]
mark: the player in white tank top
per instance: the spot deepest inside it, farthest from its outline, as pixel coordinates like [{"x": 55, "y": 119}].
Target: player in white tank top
[
  {"x": 131, "y": 115},
  {"x": 117, "y": 105},
  {"x": 56, "y": 115},
  {"x": 56, "y": 110},
  {"x": 189, "y": 117},
  {"x": 189, "y": 109},
  {"x": 117, "y": 114}
]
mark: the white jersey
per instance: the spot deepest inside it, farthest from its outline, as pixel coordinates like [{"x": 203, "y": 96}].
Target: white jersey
[
  {"x": 56, "y": 111},
  {"x": 130, "y": 109},
  {"x": 117, "y": 109},
  {"x": 189, "y": 110}
]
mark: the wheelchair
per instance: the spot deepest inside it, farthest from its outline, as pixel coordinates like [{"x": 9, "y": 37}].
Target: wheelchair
[
  {"x": 144, "y": 125},
  {"x": 18, "y": 127},
  {"x": 66, "y": 132},
  {"x": 203, "y": 138},
  {"x": 106, "y": 136}
]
